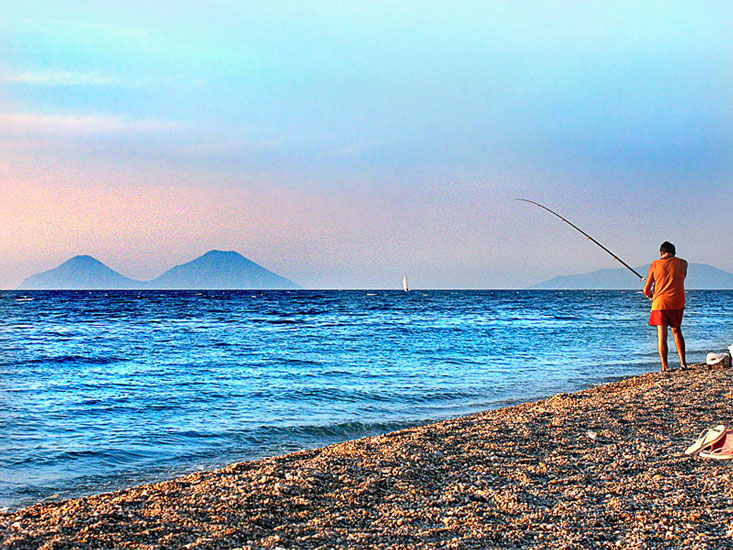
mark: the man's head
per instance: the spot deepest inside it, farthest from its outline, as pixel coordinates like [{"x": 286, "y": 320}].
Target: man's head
[{"x": 667, "y": 248}]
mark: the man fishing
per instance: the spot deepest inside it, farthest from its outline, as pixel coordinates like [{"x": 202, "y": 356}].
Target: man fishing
[{"x": 667, "y": 277}]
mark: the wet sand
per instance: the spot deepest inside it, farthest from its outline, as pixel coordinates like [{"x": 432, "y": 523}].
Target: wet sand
[{"x": 602, "y": 468}]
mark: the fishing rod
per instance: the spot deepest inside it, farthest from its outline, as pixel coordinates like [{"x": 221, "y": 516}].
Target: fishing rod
[{"x": 627, "y": 266}]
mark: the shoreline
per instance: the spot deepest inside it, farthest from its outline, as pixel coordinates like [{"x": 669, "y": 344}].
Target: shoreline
[
  {"x": 67, "y": 494},
  {"x": 136, "y": 480},
  {"x": 603, "y": 467}
]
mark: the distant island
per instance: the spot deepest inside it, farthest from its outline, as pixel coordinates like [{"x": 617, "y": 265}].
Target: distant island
[
  {"x": 699, "y": 276},
  {"x": 218, "y": 270},
  {"x": 215, "y": 270}
]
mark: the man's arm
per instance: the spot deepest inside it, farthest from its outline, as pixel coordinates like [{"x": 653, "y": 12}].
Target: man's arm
[
  {"x": 649, "y": 282},
  {"x": 684, "y": 268}
]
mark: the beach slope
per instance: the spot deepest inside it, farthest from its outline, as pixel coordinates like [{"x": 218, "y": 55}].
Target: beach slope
[{"x": 602, "y": 468}]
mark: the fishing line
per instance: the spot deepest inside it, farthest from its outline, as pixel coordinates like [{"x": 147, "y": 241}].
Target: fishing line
[{"x": 627, "y": 266}]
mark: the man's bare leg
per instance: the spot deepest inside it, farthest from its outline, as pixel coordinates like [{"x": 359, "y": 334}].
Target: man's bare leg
[
  {"x": 679, "y": 341},
  {"x": 662, "y": 343}
]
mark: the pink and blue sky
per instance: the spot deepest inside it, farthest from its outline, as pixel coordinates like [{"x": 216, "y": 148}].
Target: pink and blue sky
[{"x": 341, "y": 144}]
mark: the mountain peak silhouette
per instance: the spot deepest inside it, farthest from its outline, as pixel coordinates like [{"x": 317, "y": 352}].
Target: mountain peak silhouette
[
  {"x": 221, "y": 270},
  {"x": 699, "y": 276},
  {"x": 214, "y": 270},
  {"x": 81, "y": 272}
]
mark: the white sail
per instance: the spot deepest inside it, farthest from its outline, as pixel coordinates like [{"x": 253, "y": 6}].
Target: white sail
[{"x": 404, "y": 284}]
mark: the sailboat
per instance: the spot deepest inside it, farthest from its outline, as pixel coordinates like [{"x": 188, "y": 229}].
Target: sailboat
[{"x": 404, "y": 284}]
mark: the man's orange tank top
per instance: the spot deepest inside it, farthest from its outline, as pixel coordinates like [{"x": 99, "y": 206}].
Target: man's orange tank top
[{"x": 668, "y": 276}]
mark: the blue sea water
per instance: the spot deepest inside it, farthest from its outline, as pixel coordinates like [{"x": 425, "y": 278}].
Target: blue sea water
[{"x": 102, "y": 390}]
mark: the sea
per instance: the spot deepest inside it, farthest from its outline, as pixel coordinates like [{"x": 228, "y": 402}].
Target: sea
[{"x": 104, "y": 390}]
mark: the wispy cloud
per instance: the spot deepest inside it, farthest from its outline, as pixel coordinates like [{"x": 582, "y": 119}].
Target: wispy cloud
[
  {"x": 26, "y": 124},
  {"x": 44, "y": 24},
  {"x": 62, "y": 78},
  {"x": 104, "y": 28},
  {"x": 358, "y": 149}
]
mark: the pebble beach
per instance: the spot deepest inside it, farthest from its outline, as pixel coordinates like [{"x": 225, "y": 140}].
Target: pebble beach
[{"x": 601, "y": 468}]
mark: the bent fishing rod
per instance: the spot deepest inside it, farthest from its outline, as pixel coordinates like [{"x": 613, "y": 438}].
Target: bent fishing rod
[{"x": 627, "y": 266}]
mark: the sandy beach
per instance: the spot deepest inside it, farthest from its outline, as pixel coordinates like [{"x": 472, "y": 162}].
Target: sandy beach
[{"x": 602, "y": 468}]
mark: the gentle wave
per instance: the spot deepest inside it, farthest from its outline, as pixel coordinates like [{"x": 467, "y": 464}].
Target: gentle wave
[{"x": 340, "y": 430}]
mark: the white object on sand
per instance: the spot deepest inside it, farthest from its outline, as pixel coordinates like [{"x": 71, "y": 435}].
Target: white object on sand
[
  {"x": 706, "y": 439},
  {"x": 718, "y": 359}
]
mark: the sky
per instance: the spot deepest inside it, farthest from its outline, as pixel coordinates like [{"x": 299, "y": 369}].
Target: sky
[{"x": 342, "y": 144}]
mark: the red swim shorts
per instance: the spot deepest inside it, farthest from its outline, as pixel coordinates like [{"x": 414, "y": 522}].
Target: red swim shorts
[{"x": 666, "y": 317}]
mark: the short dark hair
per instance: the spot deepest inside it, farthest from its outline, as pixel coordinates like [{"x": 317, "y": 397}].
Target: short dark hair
[{"x": 667, "y": 247}]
